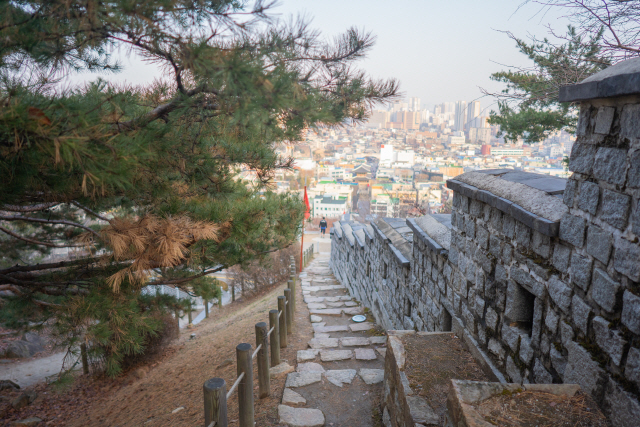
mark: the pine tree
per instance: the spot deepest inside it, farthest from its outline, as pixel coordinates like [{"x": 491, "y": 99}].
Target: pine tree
[{"x": 106, "y": 189}]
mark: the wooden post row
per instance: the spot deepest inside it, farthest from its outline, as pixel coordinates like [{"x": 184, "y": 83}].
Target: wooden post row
[
  {"x": 283, "y": 321},
  {"x": 262, "y": 360},
  {"x": 245, "y": 387},
  {"x": 274, "y": 338},
  {"x": 215, "y": 402},
  {"x": 289, "y": 306}
]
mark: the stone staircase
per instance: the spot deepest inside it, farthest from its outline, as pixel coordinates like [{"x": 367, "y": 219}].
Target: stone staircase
[{"x": 339, "y": 378}]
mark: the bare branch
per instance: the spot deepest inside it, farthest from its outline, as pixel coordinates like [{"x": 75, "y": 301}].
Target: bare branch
[{"x": 47, "y": 221}]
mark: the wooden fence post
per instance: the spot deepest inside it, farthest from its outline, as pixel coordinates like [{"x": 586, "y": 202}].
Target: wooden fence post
[
  {"x": 282, "y": 307},
  {"x": 274, "y": 338},
  {"x": 206, "y": 308},
  {"x": 215, "y": 402},
  {"x": 289, "y": 306},
  {"x": 245, "y": 387},
  {"x": 262, "y": 360},
  {"x": 291, "y": 286},
  {"x": 85, "y": 361}
]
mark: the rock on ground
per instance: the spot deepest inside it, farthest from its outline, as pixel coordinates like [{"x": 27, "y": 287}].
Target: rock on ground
[
  {"x": 300, "y": 417},
  {"x": 315, "y": 319},
  {"x": 304, "y": 355},
  {"x": 340, "y": 376},
  {"x": 301, "y": 379},
  {"x": 371, "y": 376},
  {"x": 333, "y": 355},
  {"x": 309, "y": 367},
  {"x": 292, "y": 398},
  {"x": 281, "y": 369},
  {"x": 27, "y": 422},
  {"x": 365, "y": 354}
]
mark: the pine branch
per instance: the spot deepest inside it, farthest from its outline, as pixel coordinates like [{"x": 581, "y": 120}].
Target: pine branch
[
  {"x": 32, "y": 208},
  {"x": 47, "y": 221},
  {"x": 36, "y": 242}
]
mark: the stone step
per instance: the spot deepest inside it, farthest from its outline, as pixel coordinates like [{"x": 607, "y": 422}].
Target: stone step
[
  {"x": 365, "y": 354},
  {"x": 334, "y": 355},
  {"x": 340, "y": 376},
  {"x": 301, "y": 379},
  {"x": 320, "y": 343},
  {"x": 300, "y": 417},
  {"x": 349, "y": 311},
  {"x": 291, "y": 398},
  {"x": 304, "y": 355},
  {"x": 371, "y": 376}
]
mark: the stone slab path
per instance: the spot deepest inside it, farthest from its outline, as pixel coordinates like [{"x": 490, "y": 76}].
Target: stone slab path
[{"x": 339, "y": 377}]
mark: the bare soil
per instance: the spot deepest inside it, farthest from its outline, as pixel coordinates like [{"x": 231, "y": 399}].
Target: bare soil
[
  {"x": 147, "y": 395},
  {"x": 540, "y": 409},
  {"x": 432, "y": 361}
]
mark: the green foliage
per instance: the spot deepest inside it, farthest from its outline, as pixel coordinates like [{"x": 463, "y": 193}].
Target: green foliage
[
  {"x": 154, "y": 167},
  {"x": 529, "y": 106}
]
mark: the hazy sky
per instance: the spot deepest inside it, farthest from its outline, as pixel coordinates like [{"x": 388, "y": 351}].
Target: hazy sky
[{"x": 439, "y": 50}]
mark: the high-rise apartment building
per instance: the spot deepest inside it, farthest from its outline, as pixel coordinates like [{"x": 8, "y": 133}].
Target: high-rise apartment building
[
  {"x": 473, "y": 113},
  {"x": 448, "y": 107},
  {"x": 414, "y": 104},
  {"x": 460, "y": 118}
]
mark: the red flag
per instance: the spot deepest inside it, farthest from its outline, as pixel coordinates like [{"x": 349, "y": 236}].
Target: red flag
[{"x": 307, "y": 213}]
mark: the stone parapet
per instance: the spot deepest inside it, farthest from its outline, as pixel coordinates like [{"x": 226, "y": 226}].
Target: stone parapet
[{"x": 540, "y": 274}]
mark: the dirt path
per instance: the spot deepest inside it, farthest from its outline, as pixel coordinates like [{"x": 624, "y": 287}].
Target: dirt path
[
  {"x": 339, "y": 377},
  {"x": 33, "y": 371}
]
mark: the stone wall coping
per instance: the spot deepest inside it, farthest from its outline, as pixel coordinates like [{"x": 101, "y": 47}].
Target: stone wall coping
[
  {"x": 432, "y": 232},
  {"x": 394, "y": 238},
  {"x": 359, "y": 236},
  {"x": 620, "y": 79},
  {"x": 401, "y": 258},
  {"x": 380, "y": 233},
  {"x": 348, "y": 233},
  {"x": 535, "y": 208},
  {"x": 368, "y": 231},
  {"x": 337, "y": 228}
]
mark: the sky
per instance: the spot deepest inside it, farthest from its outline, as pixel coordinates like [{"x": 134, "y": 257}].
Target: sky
[{"x": 440, "y": 51}]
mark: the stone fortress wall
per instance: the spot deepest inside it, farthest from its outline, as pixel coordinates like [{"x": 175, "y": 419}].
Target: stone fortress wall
[{"x": 540, "y": 275}]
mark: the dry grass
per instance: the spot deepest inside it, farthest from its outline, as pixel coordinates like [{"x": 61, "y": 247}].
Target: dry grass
[
  {"x": 432, "y": 361},
  {"x": 540, "y": 409}
]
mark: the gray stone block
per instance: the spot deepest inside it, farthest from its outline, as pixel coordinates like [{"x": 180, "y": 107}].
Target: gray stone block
[
  {"x": 551, "y": 320},
  {"x": 560, "y": 293},
  {"x": 511, "y": 336},
  {"x": 580, "y": 311},
  {"x": 633, "y": 179},
  {"x": 526, "y": 351},
  {"x": 610, "y": 165},
  {"x": 507, "y": 254},
  {"x": 495, "y": 245},
  {"x": 631, "y": 311},
  {"x": 626, "y": 259},
  {"x": 509, "y": 227},
  {"x": 572, "y": 230},
  {"x": 464, "y": 204},
  {"x": 561, "y": 257},
  {"x": 540, "y": 374},
  {"x": 589, "y": 197},
  {"x": 582, "y": 158},
  {"x": 615, "y": 208},
  {"x": 513, "y": 371},
  {"x": 610, "y": 341},
  {"x": 520, "y": 303},
  {"x": 632, "y": 368},
  {"x": 630, "y": 121},
  {"x": 604, "y": 119},
  {"x": 569, "y": 192},
  {"x": 623, "y": 408},
  {"x": 584, "y": 119},
  {"x": 558, "y": 361},
  {"x": 599, "y": 243},
  {"x": 476, "y": 208},
  {"x": 491, "y": 318},
  {"x": 523, "y": 235},
  {"x": 541, "y": 244},
  {"x": 566, "y": 333},
  {"x": 635, "y": 219},
  {"x": 581, "y": 271},
  {"x": 604, "y": 290},
  {"x": 482, "y": 236},
  {"x": 496, "y": 348},
  {"x": 536, "y": 329},
  {"x": 583, "y": 370}
]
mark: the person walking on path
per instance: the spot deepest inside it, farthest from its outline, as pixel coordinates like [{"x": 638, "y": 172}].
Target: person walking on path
[{"x": 323, "y": 227}]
